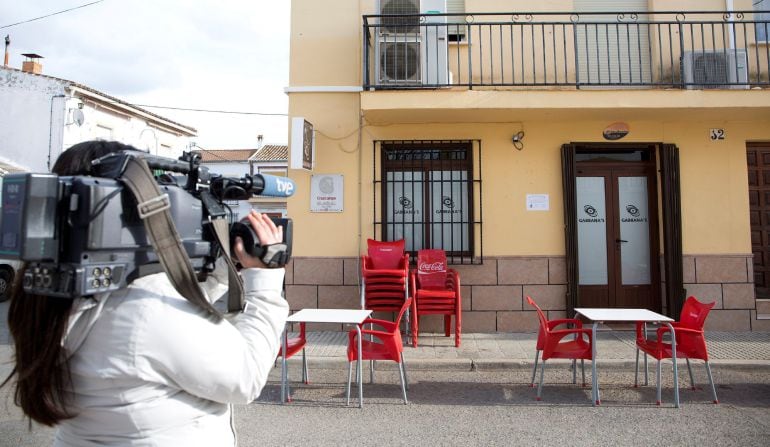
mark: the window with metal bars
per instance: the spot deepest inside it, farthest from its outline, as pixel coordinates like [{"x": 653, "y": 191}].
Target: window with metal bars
[{"x": 429, "y": 193}]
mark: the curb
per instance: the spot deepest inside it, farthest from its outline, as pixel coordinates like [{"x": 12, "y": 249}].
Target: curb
[{"x": 468, "y": 364}]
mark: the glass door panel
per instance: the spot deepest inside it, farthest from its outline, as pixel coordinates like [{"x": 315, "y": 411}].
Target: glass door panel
[
  {"x": 634, "y": 230},
  {"x": 592, "y": 230}
]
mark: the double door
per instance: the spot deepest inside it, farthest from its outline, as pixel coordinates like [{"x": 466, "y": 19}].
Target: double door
[{"x": 617, "y": 233}]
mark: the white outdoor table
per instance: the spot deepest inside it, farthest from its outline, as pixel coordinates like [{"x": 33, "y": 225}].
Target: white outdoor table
[
  {"x": 344, "y": 316},
  {"x": 602, "y": 315}
]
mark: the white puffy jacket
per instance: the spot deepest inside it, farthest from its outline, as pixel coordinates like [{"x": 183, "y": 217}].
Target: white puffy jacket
[{"x": 149, "y": 369}]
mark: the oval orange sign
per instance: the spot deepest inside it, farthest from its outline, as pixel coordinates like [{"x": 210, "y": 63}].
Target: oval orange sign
[{"x": 615, "y": 131}]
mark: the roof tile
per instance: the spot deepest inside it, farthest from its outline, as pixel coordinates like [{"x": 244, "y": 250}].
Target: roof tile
[
  {"x": 272, "y": 152},
  {"x": 225, "y": 155}
]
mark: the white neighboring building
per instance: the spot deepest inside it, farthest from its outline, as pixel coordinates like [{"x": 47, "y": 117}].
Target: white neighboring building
[
  {"x": 41, "y": 115},
  {"x": 270, "y": 159}
]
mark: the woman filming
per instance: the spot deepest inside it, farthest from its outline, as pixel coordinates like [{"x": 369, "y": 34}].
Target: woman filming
[{"x": 142, "y": 365}]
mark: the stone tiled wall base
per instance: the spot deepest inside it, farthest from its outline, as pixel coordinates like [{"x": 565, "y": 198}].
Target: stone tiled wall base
[
  {"x": 494, "y": 293},
  {"x": 728, "y": 281}
]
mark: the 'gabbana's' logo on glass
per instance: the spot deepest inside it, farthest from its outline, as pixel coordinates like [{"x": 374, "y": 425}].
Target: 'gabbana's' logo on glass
[{"x": 592, "y": 213}]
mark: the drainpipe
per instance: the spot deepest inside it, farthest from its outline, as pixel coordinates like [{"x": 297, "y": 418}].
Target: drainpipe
[
  {"x": 50, "y": 130},
  {"x": 730, "y": 27}
]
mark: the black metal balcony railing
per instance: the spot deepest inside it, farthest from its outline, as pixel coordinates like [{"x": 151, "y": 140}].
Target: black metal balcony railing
[{"x": 693, "y": 49}]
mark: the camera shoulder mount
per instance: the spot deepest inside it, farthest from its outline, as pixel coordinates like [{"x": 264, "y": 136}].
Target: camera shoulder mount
[{"x": 161, "y": 231}]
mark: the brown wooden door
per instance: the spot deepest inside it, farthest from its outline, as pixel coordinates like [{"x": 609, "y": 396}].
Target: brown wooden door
[
  {"x": 758, "y": 163},
  {"x": 617, "y": 235}
]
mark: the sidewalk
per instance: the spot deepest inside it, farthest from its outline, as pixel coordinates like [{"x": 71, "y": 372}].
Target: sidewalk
[{"x": 327, "y": 350}]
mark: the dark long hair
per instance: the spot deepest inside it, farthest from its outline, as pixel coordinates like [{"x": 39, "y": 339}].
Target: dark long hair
[{"x": 38, "y": 323}]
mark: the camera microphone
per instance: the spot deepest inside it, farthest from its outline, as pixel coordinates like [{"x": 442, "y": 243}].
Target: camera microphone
[{"x": 272, "y": 185}]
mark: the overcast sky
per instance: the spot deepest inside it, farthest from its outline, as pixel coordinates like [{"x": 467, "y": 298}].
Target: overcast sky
[{"x": 204, "y": 54}]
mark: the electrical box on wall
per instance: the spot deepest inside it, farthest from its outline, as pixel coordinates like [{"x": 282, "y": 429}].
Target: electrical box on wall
[{"x": 302, "y": 144}]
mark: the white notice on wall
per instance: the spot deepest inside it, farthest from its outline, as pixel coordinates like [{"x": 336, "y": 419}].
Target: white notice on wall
[
  {"x": 537, "y": 202},
  {"x": 326, "y": 193}
]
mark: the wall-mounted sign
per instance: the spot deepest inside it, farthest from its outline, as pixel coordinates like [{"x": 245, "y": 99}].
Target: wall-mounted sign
[
  {"x": 538, "y": 202},
  {"x": 615, "y": 131},
  {"x": 302, "y": 144},
  {"x": 326, "y": 193},
  {"x": 717, "y": 134}
]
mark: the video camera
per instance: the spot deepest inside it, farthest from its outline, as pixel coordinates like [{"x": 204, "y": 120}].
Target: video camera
[{"x": 82, "y": 235}]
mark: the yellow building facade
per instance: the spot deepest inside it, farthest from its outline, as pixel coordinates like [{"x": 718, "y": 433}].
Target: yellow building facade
[{"x": 583, "y": 155}]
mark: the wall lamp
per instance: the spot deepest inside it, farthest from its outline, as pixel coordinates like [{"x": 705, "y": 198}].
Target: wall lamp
[{"x": 517, "y": 138}]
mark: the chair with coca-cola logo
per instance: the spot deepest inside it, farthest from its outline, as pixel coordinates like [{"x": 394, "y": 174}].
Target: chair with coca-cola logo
[{"x": 436, "y": 291}]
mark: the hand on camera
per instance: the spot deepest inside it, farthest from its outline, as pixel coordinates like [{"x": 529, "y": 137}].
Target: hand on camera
[{"x": 267, "y": 232}]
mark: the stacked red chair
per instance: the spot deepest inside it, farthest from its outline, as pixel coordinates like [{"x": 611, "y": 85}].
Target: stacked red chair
[
  {"x": 384, "y": 271},
  {"x": 436, "y": 291}
]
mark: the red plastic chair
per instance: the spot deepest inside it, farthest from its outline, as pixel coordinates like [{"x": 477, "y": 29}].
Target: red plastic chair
[
  {"x": 383, "y": 344},
  {"x": 436, "y": 291},
  {"x": 690, "y": 342},
  {"x": 384, "y": 271},
  {"x": 553, "y": 324},
  {"x": 553, "y": 345},
  {"x": 293, "y": 346}
]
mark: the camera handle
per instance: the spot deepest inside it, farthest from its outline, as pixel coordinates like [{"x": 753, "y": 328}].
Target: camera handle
[
  {"x": 235, "y": 301},
  {"x": 162, "y": 233}
]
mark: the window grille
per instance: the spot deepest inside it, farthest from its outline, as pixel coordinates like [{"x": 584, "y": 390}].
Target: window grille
[{"x": 429, "y": 193}]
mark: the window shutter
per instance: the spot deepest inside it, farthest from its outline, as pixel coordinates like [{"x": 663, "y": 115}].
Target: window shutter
[
  {"x": 570, "y": 225},
  {"x": 672, "y": 229},
  {"x": 456, "y": 7}
]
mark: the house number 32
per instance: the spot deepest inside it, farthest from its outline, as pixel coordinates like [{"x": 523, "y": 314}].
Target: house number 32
[{"x": 717, "y": 134}]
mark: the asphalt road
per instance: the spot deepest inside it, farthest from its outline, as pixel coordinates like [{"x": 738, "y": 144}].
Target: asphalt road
[{"x": 489, "y": 408}]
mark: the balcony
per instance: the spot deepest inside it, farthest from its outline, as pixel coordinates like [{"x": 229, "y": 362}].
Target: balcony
[{"x": 567, "y": 51}]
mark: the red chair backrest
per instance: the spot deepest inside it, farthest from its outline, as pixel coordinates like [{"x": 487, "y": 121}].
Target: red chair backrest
[
  {"x": 431, "y": 269},
  {"x": 694, "y": 313},
  {"x": 398, "y": 341},
  {"x": 385, "y": 254},
  {"x": 404, "y": 307},
  {"x": 541, "y": 333}
]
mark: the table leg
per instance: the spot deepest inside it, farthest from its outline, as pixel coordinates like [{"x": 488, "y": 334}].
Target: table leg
[
  {"x": 359, "y": 368},
  {"x": 645, "y": 357},
  {"x": 673, "y": 360},
  {"x": 594, "y": 379},
  {"x": 284, "y": 373}
]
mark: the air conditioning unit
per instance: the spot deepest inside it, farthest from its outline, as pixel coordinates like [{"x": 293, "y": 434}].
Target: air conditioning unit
[
  {"x": 399, "y": 60},
  {"x": 408, "y": 53},
  {"x": 715, "y": 69}
]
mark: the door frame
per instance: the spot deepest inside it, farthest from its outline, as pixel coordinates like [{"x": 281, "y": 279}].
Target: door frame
[
  {"x": 611, "y": 172},
  {"x": 669, "y": 227}
]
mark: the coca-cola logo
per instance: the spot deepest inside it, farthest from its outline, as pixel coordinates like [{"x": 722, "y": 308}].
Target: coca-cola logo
[{"x": 431, "y": 267}]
